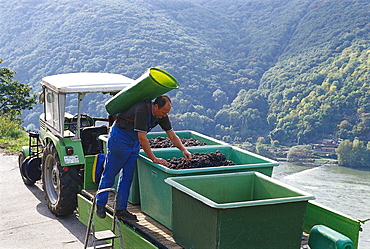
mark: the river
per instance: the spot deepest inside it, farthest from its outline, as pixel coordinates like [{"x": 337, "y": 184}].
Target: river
[{"x": 344, "y": 189}]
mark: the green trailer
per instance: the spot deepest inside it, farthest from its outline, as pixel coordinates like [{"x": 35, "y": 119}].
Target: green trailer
[{"x": 150, "y": 233}]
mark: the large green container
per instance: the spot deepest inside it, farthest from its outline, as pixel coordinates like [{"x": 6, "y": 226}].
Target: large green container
[
  {"x": 155, "y": 194},
  {"x": 134, "y": 197},
  {"x": 236, "y": 210},
  {"x": 153, "y": 83}
]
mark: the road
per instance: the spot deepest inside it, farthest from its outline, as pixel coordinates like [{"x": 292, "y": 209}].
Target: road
[{"x": 25, "y": 220}]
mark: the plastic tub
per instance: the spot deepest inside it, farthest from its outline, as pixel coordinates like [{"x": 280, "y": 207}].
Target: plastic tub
[
  {"x": 155, "y": 194},
  {"x": 134, "y": 197},
  {"x": 236, "y": 210}
]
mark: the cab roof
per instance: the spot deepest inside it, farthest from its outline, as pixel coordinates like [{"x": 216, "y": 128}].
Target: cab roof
[{"x": 86, "y": 82}]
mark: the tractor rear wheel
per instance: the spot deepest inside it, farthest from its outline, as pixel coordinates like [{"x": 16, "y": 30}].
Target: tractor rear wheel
[
  {"x": 21, "y": 161},
  {"x": 60, "y": 184}
]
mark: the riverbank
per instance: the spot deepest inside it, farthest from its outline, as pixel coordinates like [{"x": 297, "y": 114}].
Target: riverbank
[{"x": 343, "y": 189}]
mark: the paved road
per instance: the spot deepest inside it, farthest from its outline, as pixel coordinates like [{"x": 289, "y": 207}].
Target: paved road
[{"x": 25, "y": 220}]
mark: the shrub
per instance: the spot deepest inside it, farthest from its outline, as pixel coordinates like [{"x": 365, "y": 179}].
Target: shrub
[{"x": 12, "y": 135}]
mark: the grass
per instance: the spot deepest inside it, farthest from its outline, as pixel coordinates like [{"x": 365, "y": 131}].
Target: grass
[
  {"x": 12, "y": 134},
  {"x": 326, "y": 161}
]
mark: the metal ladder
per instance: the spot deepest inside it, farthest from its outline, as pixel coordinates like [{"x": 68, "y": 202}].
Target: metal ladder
[
  {"x": 105, "y": 234},
  {"x": 34, "y": 144}
]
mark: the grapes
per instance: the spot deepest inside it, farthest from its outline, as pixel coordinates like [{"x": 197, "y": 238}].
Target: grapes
[
  {"x": 162, "y": 142},
  {"x": 200, "y": 160}
]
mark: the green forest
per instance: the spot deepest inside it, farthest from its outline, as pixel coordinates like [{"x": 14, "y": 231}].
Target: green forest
[{"x": 284, "y": 72}]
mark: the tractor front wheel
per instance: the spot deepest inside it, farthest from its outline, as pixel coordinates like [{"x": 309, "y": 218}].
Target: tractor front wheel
[{"x": 60, "y": 184}]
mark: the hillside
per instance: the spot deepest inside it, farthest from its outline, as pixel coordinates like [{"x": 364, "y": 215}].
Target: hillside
[{"x": 286, "y": 70}]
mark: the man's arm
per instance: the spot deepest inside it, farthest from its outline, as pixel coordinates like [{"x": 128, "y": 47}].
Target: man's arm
[
  {"x": 177, "y": 142},
  {"x": 146, "y": 147}
]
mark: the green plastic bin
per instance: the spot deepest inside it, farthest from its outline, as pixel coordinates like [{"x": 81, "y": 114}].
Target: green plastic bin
[
  {"x": 236, "y": 210},
  {"x": 155, "y": 194},
  {"x": 134, "y": 197}
]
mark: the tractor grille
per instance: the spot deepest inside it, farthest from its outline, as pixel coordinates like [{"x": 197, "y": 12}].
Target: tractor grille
[{"x": 42, "y": 124}]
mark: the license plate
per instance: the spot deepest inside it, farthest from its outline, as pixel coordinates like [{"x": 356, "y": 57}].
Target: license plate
[{"x": 71, "y": 159}]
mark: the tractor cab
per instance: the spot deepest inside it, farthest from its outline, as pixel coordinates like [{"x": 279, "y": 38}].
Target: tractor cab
[
  {"x": 65, "y": 139},
  {"x": 57, "y": 87}
]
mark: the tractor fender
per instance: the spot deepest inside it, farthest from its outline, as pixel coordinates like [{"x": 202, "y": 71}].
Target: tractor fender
[{"x": 62, "y": 144}]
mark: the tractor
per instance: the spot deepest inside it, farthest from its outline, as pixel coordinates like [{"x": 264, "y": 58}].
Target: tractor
[{"x": 56, "y": 154}]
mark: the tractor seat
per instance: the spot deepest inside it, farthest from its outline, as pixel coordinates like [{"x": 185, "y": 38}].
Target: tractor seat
[{"x": 91, "y": 143}]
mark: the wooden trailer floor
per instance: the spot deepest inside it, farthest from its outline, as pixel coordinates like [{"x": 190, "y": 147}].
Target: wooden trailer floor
[{"x": 149, "y": 228}]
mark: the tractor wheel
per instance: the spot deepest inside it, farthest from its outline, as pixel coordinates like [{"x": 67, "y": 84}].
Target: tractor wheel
[
  {"x": 60, "y": 184},
  {"x": 21, "y": 162}
]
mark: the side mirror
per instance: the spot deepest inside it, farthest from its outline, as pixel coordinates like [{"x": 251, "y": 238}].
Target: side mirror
[{"x": 41, "y": 97}]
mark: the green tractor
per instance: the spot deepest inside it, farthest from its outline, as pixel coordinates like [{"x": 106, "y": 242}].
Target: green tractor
[{"x": 57, "y": 154}]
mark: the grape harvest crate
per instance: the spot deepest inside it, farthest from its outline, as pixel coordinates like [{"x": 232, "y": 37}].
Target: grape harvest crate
[{"x": 155, "y": 194}]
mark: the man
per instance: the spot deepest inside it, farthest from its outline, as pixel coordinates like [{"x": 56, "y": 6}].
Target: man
[{"x": 125, "y": 137}]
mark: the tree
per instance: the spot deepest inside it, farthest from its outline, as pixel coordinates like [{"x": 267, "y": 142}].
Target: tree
[
  {"x": 299, "y": 153},
  {"x": 14, "y": 96},
  {"x": 344, "y": 153},
  {"x": 263, "y": 150},
  {"x": 354, "y": 154},
  {"x": 220, "y": 98},
  {"x": 358, "y": 153},
  {"x": 344, "y": 129}
]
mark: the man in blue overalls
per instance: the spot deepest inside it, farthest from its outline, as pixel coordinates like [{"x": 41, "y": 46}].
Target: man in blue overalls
[{"x": 125, "y": 137}]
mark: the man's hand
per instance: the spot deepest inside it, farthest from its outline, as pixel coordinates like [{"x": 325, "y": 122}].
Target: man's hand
[
  {"x": 146, "y": 147},
  {"x": 177, "y": 142},
  {"x": 160, "y": 161},
  {"x": 187, "y": 155}
]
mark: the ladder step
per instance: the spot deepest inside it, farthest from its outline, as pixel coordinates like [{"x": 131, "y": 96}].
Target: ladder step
[
  {"x": 105, "y": 235},
  {"x": 104, "y": 246},
  {"x": 101, "y": 246}
]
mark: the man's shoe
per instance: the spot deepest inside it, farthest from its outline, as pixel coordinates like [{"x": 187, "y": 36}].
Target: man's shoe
[
  {"x": 124, "y": 214},
  {"x": 100, "y": 212}
]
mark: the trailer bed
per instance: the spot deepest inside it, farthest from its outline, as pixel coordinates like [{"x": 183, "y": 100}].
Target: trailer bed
[{"x": 146, "y": 226}]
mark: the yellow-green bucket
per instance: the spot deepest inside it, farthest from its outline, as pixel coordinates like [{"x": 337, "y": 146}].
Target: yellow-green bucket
[{"x": 153, "y": 83}]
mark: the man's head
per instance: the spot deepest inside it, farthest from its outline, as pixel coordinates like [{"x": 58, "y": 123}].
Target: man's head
[{"x": 161, "y": 106}]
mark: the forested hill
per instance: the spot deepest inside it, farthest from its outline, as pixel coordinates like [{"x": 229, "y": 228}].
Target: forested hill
[{"x": 287, "y": 70}]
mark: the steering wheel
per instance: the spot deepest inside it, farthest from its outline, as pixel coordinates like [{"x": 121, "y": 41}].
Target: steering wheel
[{"x": 71, "y": 123}]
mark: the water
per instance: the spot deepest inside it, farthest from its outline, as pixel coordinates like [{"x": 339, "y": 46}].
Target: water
[{"x": 343, "y": 189}]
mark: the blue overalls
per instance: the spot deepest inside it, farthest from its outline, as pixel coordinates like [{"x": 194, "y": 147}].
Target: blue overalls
[{"x": 123, "y": 150}]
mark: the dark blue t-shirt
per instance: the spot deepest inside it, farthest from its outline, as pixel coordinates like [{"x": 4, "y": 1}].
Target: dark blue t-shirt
[{"x": 136, "y": 118}]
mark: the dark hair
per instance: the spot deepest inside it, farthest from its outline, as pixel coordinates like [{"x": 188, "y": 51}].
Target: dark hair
[{"x": 161, "y": 101}]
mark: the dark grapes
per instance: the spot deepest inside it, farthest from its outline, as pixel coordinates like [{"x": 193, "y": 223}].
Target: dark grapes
[
  {"x": 200, "y": 160},
  {"x": 163, "y": 142}
]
